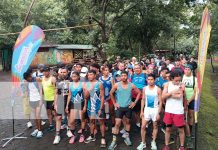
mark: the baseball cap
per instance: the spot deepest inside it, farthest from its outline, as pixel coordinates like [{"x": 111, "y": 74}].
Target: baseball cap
[
  {"x": 40, "y": 66},
  {"x": 84, "y": 71},
  {"x": 118, "y": 73},
  {"x": 46, "y": 69},
  {"x": 188, "y": 66}
]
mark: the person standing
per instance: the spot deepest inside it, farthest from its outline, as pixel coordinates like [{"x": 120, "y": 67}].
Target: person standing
[
  {"x": 78, "y": 105},
  {"x": 60, "y": 101},
  {"x": 35, "y": 101},
  {"x": 95, "y": 107},
  {"x": 123, "y": 107},
  {"x": 139, "y": 80},
  {"x": 107, "y": 82},
  {"x": 48, "y": 89},
  {"x": 190, "y": 82},
  {"x": 174, "y": 95},
  {"x": 151, "y": 106}
]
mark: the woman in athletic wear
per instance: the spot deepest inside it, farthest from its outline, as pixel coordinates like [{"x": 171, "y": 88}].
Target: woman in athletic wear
[
  {"x": 77, "y": 103},
  {"x": 107, "y": 82}
]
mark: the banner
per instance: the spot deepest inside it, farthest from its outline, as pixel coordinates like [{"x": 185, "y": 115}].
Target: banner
[
  {"x": 202, "y": 55},
  {"x": 25, "y": 49}
]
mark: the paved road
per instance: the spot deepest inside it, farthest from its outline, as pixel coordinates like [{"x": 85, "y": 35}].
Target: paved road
[{"x": 46, "y": 142}]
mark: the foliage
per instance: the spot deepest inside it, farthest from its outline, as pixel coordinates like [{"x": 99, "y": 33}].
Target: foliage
[{"x": 123, "y": 27}]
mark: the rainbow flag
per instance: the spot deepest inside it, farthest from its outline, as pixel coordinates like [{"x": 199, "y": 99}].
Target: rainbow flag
[{"x": 202, "y": 56}]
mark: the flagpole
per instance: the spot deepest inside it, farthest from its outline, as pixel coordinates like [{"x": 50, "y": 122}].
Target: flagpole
[{"x": 13, "y": 94}]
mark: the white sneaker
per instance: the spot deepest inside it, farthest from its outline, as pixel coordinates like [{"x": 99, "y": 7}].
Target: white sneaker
[
  {"x": 43, "y": 123},
  {"x": 34, "y": 133},
  {"x": 125, "y": 135},
  {"x": 141, "y": 146},
  {"x": 69, "y": 134},
  {"x": 123, "y": 131},
  {"x": 153, "y": 145},
  {"x": 29, "y": 124},
  {"x": 138, "y": 125},
  {"x": 57, "y": 140},
  {"x": 39, "y": 134}
]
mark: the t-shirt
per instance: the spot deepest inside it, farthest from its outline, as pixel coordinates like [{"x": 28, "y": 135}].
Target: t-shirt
[
  {"x": 174, "y": 106},
  {"x": 189, "y": 85},
  {"x": 139, "y": 80},
  {"x": 160, "y": 82},
  {"x": 170, "y": 66},
  {"x": 34, "y": 94}
]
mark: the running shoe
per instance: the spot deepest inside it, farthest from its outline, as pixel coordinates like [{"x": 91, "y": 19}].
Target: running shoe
[
  {"x": 166, "y": 147},
  {"x": 125, "y": 135},
  {"x": 182, "y": 148},
  {"x": 29, "y": 124},
  {"x": 103, "y": 143},
  {"x": 57, "y": 140},
  {"x": 82, "y": 138},
  {"x": 123, "y": 131},
  {"x": 112, "y": 146},
  {"x": 72, "y": 140},
  {"x": 127, "y": 141},
  {"x": 138, "y": 125},
  {"x": 39, "y": 135},
  {"x": 141, "y": 146},
  {"x": 90, "y": 139},
  {"x": 153, "y": 145},
  {"x": 34, "y": 133},
  {"x": 43, "y": 123},
  {"x": 69, "y": 134},
  {"x": 51, "y": 128}
]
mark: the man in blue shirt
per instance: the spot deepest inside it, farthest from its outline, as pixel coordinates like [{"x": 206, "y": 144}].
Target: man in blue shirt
[{"x": 160, "y": 81}]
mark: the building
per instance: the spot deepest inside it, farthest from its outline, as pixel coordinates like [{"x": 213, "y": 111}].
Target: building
[{"x": 51, "y": 54}]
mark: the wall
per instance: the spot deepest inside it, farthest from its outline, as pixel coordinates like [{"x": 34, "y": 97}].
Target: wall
[{"x": 52, "y": 57}]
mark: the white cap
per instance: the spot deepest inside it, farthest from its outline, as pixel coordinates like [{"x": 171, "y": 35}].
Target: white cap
[{"x": 84, "y": 71}]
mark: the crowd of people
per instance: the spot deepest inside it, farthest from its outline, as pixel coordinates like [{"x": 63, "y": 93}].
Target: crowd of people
[{"x": 114, "y": 97}]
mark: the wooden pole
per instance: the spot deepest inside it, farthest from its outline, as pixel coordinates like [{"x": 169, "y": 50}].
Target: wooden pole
[{"x": 28, "y": 13}]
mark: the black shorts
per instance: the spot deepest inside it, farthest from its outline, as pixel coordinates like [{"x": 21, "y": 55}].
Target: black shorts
[
  {"x": 123, "y": 111},
  {"x": 35, "y": 104},
  {"x": 191, "y": 105},
  {"x": 49, "y": 105},
  {"x": 137, "y": 107}
]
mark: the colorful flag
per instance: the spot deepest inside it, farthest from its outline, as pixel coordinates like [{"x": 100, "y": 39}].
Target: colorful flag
[
  {"x": 24, "y": 51},
  {"x": 202, "y": 55}
]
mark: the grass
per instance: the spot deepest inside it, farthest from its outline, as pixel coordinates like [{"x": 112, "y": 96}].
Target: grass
[{"x": 208, "y": 115}]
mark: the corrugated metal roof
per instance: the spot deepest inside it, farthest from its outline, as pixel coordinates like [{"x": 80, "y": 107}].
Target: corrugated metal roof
[{"x": 74, "y": 46}]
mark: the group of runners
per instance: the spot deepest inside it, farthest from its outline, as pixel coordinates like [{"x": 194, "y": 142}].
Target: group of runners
[{"x": 111, "y": 96}]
